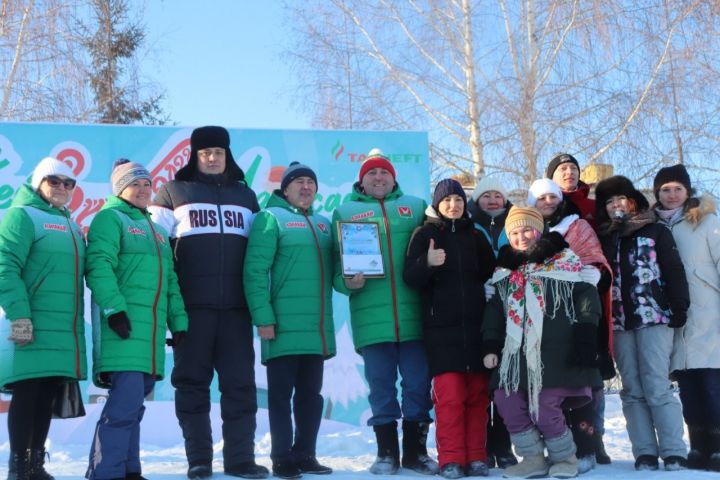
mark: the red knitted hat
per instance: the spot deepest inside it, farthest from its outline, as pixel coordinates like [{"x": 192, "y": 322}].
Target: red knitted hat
[{"x": 376, "y": 159}]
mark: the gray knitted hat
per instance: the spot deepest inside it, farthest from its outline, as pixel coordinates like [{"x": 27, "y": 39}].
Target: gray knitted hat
[{"x": 126, "y": 172}]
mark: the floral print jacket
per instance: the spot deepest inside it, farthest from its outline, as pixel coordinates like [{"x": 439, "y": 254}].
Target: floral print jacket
[{"x": 649, "y": 284}]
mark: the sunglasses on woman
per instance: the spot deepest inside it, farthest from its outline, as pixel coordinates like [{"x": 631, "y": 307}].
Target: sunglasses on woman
[{"x": 54, "y": 181}]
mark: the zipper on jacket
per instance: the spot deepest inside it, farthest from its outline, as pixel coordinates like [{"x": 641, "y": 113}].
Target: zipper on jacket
[
  {"x": 322, "y": 284},
  {"x": 157, "y": 295},
  {"x": 392, "y": 271},
  {"x": 78, "y": 373},
  {"x": 493, "y": 239},
  {"x": 458, "y": 248}
]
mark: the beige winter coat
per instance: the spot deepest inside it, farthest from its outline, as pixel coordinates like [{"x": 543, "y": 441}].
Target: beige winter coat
[{"x": 697, "y": 234}]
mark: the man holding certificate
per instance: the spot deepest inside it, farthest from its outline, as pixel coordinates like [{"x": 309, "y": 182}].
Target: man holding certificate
[{"x": 372, "y": 232}]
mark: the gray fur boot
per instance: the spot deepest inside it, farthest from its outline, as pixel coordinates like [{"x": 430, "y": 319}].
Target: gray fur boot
[
  {"x": 530, "y": 446},
  {"x": 561, "y": 451}
]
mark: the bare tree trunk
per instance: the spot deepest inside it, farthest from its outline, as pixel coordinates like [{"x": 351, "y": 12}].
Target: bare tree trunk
[
  {"x": 476, "y": 147},
  {"x": 19, "y": 45}
]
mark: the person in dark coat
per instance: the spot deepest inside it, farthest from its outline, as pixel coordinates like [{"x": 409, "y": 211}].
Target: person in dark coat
[
  {"x": 562, "y": 216},
  {"x": 449, "y": 261},
  {"x": 488, "y": 210},
  {"x": 208, "y": 210},
  {"x": 649, "y": 294},
  {"x": 539, "y": 336}
]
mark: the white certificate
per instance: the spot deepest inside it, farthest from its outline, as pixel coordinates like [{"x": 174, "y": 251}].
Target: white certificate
[{"x": 360, "y": 250}]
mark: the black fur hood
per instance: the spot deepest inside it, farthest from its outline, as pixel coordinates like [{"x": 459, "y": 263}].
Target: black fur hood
[{"x": 549, "y": 245}]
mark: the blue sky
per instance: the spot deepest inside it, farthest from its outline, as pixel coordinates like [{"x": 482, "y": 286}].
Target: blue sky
[{"x": 219, "y": 62}]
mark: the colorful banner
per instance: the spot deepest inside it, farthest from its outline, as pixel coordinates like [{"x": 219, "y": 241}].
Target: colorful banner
[{"x": 90, "y": 151}]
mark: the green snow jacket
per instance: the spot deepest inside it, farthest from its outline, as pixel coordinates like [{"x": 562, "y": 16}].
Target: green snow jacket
[
  {"x": 130, "y": 268},
  {"x": 288, "y": 280},
  {"x": 42, "y": 258},
  {"x": 385, "y": 309}
]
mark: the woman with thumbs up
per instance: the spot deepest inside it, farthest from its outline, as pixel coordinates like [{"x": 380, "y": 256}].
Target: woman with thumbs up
[{"x": 449, "y": 261}]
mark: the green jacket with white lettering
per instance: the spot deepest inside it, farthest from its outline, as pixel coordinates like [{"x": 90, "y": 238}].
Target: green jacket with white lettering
[
  {"x": 42, "y": 258},
  {"x": 288, "y": 279},
  {"x": 130, "y": 268},
  {"x": 384, "y": 309}
]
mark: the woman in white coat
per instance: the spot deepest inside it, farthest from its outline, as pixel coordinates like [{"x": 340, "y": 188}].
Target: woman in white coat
[{"x": 695, "y": 362}]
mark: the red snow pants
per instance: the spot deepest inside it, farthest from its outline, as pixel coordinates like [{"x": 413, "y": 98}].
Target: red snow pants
[{"x": 461, "y": 403}]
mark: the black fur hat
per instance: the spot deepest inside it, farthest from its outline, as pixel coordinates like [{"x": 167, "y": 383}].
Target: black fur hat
[
  {"x": 617, "y": 185},
  {"x": 676, "y": 173},
  {"x": 210, "y": 137}
]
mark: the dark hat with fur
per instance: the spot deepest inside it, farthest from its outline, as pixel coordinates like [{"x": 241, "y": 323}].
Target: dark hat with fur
[
  {"x": 617, "y": 186},
  {"x": 210, "y": 137},
  {"x": 558, "y": 160},
  {"x": 676, "y": 173}
]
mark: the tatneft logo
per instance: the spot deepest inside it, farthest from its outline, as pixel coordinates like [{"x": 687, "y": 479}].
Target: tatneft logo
[
  {"x": 340, "y": 154},
  {"x": 136, "y": 231}
]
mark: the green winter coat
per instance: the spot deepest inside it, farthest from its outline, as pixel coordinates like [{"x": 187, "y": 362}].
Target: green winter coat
[
  {"x": 385, "y": 309},
  {"x": 130, "y": 268},
  {"x": 288, "y": 280},
  {"x": 42, "y": 258}
]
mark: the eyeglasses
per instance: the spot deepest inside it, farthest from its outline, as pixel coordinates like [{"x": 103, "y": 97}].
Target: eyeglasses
[{"x": 54, "y": 181}]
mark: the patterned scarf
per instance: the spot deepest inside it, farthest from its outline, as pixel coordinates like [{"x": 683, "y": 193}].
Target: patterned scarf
[{"x": 523, "y": 295}]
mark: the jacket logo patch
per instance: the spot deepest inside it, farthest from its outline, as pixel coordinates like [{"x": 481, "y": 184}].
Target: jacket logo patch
[
  {"x": 160, "y": 238},
  {"x": 362, "y": 215},
  {"x": 322, "y": 228},
  {"x": 55, "y": 226},
  {"x": 136, "y": 231},
  {"x": 295, "y": 225},
  {"x": 405, "y": 212}
]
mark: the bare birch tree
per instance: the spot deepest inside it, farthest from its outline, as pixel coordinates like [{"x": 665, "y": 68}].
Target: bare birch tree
[
  {"x": 73, "y": 61},
  {"x": 41, "y": 66},
  {"x": 501, "y": 86}
]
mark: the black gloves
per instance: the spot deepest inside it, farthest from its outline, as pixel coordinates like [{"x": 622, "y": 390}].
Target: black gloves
[
  {"x": 678, "y": 320},
  {"x": 120, "y": 324},
  {"x": 584, "y": 352},
  {"x": 607, "y": 366},
  {"x": 177, "y": 339}
]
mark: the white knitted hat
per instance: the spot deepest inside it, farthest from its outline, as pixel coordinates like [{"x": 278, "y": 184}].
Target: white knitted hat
[
  {"x": 487, "y": 184},
  {"x": 542, "y": 187},
  {"x": 49, "y": 166}
]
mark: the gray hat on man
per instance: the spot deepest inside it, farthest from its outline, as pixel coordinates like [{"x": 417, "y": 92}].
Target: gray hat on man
[{"x": 296, "y": 170}]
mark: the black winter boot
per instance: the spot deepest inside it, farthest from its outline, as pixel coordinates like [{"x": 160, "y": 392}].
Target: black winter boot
[
  {"x": 388, "y": 456},
  {"x": 37, "y": 465},
  {"x": 699, "y": 454},
  {"x": 415, "y": 456},
  {"x": 713, "y": 443},
  {"x": 601, "y": 455},
  {"x": 499, "y": 448},
  {"x": 584, "y": 438},
  {"x": 19, "y": 467}
]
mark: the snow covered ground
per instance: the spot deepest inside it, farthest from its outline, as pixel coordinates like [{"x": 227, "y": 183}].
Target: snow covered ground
[{"x": 348, "y": 449}]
